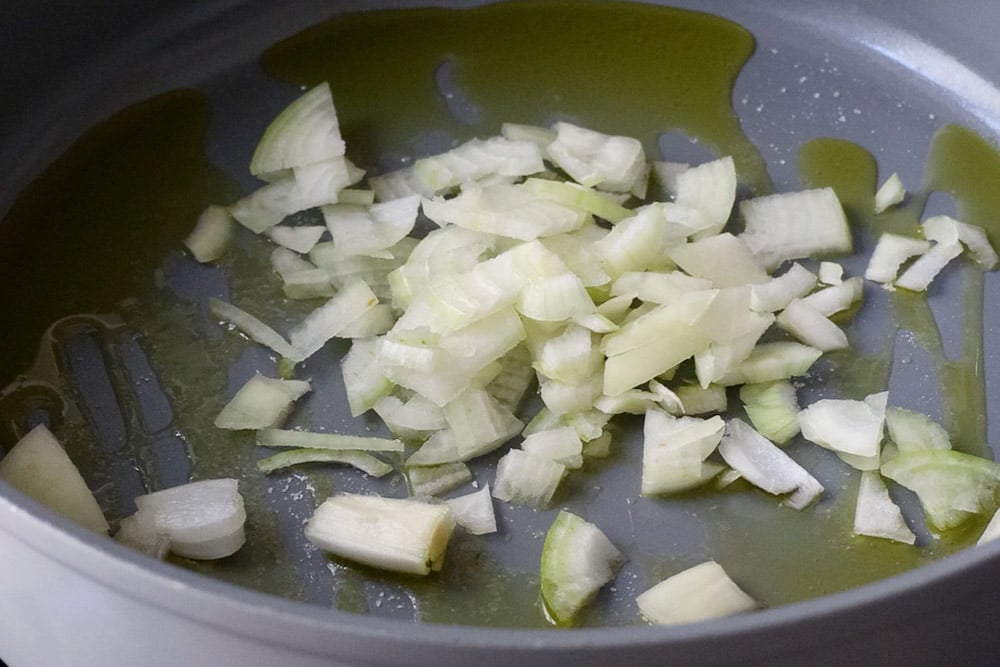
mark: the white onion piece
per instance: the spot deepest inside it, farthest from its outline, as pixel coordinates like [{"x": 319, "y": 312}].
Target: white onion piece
[
  {"x": 876, "y": 515},
  {"x": 202, "y": 520},
  {"x": 39, "y": 467},
  {"x": 699, "y": 593},
  {"x": 764, "y": 465},
  {"x": 474, "y": 511}
]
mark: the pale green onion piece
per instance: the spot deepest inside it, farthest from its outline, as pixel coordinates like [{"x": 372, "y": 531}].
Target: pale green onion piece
[
  {"x": 398, "y": 184},
  {"x": 593, "y": 159},
  {"x": 811, "y": 327},
  {"x": 724, "y": 259},
  {"x": 992, "y": 530},
  {"x": 709, "y": 188},
  {"x": 564, "y": 397},
  {"x": 630, "y": 401},
  {"x": 875, "y": 514},
  {"x": 796, "y": 224},
  {"x": 414, "y": 419},
  {"x": 667, "y": 398},
  {"x": 952, "y": 486},
  {"x": 944, "y": 229},
  {"x": 507, "y": 210},
  {"x": 262, "y": 402},
  {"x": 763, "y": 464},
  {"x": 254, "y": 328},
  {"x": 890, "y": 193},
  {"x": 305, "y": 132},
  {"x": 276, "y": 437},
  {"x": 375, "y": 321},
  {"x": 700, "y": 593},
  {"x": 202, "y": 520},
  {"x": 300, "y": 239},
  {"x": 561, "y": 445},
  {"x": 579, "y": 197},
  {"x": 39, "y": 467},
  {"x": 913, "y": 431},
  {"x": 525, "y": 479},
  {"x": 400, "y": 535},
  {"x": 661, "y": 288},
  {"x": 569, "y": 357},
  {"x": 891, "y": 251},
  {"x": 477, "y": 159},
  {"x": 923, "y": 271},
  {"x": 836, "y": 298},
  {"x": 577, "y": 560},
  {"x": 438, "y": 479},
  {"x": 674, "y": 451},
  {"x": 847, "y": 427},
  {"x": 363, "y": 461},
  {"x": 636, "y": 243},
  {"x": 779, "y": 291},
  {"x": 773, "y": 408},
  {"x": 777, "y": 361},
  {"x": 516, "y": 377},
  {"x": 331, "y": 318},
  {"x": 439, "y": 448},
  {"x": 479, "y": 423},
  {"x": 698, "y": 400},
  {"x": 267, "y": 206},
  {"x": 474, "y": 511},
  {"x": 364, "y": 382},
  {"x": 365, "y": 230},
  {"x": 211, "y": 235}
]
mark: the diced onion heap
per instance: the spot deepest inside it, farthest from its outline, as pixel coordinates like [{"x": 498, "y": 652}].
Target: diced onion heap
[{"x": 545, "y": 265}]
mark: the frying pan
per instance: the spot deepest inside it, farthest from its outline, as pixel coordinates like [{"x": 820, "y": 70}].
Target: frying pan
[{"x": 879, "y": 75}]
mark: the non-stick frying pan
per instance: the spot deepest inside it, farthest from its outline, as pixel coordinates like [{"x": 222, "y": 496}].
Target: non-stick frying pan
[{"x": 884, "y": 77}]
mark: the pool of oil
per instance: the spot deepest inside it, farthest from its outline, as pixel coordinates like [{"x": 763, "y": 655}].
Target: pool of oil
[{"x": 133, "y": 387}]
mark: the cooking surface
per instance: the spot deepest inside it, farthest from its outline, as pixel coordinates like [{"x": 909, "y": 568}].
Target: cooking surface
[{"x": 807, "y": 78}]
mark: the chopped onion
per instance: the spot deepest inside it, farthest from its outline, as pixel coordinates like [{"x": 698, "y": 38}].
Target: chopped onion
[
  {"x": 262, "y": 402},
  {"x": 201, "y": 520},
  {"x": 700, "y": 593},
  {"x": 577, "y": 560},
  {"x": 40, "y": 468},
  {"x": 395, "y": 534},
  {"x": 474, "y": 511}
]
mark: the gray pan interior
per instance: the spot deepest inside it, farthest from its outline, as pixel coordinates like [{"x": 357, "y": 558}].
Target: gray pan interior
[{"x": 881, "y": 75}]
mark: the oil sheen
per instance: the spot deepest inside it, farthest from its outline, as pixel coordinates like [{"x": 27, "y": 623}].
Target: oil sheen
[{"x": 124, "y": 195}]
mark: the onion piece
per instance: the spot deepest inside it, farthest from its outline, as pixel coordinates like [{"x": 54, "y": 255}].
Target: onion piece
[
  {"x": 796, "y": 224},
  {"x": 202, "y": 520},
  {"x": 262, "y": 402},
  {"x": 305, "y": 132},
  {"x": 474, "y": 511},
  {"x": 890, "y": 193},
  {"x": 526, "y": 479},
  {"x": 577, "y": 560},
  {"x": 401, "y": 535},
  {"x": 699, "y": 593},
  {"x": 212, "y": 234},
  {"x": 363, "y": 461},
  {"x": 276, "y": 437},
  {"x": 876, "y": 515},
  {"x": 437, "y": 479},
  {"x": 254, "y": 328},
  {"x": 766, "y": 466},
  {"x": 39, "y": 467}
]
